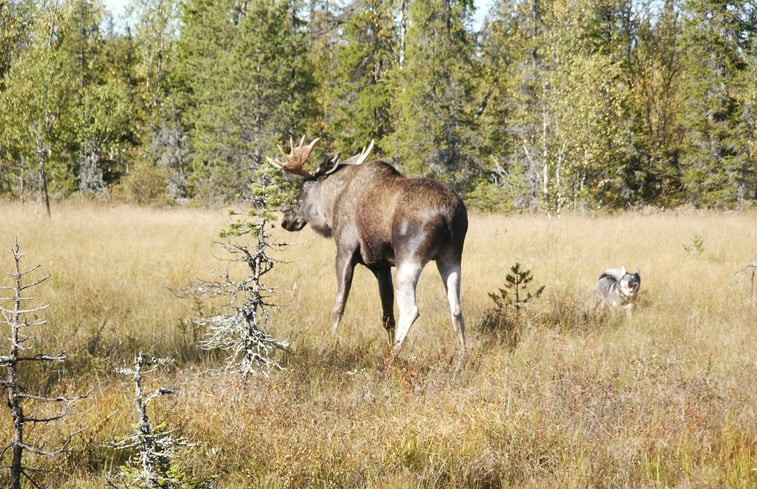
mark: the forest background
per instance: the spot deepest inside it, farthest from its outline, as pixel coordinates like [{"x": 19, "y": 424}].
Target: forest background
[{"x": 546, "y": 106}]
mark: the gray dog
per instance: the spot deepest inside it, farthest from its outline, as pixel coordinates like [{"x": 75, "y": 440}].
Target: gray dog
[{"x": 618, "y": 288}]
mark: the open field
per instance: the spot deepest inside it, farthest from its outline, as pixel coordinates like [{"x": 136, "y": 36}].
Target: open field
[{"x": 666, "y": 399}]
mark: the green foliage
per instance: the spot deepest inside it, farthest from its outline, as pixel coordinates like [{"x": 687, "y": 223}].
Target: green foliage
[
  {"x": 151, "y": 60},
  {"x": 552, "y": 106},
  {"x": 36, "y": 104},
  {"x": 653, "y": 76},
  {"x": 435, "y": 131},
  {"x": 271, "y": 192},
  {"x": 249, "y": 83},
  {"x": 64, "y": 114},
  {"x": 355, "y": 79},
  {"x": 717, "y": 169},
  {"x": 145, "y": 184},
  {"x": 565, "y": 109}
]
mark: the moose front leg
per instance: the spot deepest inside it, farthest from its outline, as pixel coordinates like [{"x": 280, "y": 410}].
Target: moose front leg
[
  {"x": 386, "y": 290},
  {"x": 345, "y": 267}
]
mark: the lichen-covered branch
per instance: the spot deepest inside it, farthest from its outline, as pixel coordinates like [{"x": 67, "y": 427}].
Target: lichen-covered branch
[{"x": 152, "y": 466}]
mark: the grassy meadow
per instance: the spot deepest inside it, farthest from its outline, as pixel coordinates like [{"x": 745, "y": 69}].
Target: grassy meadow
[{"x": 581, "y": 400}]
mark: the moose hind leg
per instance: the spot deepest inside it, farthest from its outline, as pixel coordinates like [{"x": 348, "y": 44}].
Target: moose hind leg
[
  {"x": 407, "y": 279},
  {"x": 451, "y": 275},
  {"x": 386, "y": 291}
]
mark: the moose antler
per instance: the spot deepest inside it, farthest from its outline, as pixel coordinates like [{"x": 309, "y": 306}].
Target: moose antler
[
  {"x": 352, "y": 160},
  {"x": 360, "y": 157},
  {"x": 296, "y": 158}
]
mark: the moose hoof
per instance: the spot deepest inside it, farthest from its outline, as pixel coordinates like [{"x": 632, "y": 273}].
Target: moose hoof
[{"x": 390, "y": 332}]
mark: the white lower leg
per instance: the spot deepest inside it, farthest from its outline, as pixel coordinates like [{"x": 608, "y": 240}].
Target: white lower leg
[
  {"x": 452, "y": 283},
  {"x": 338, "y": 313},
  {"x": 407, "y": 279}
]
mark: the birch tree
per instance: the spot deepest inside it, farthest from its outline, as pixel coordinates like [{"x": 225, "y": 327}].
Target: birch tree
[{"x": 38, "y": 90}]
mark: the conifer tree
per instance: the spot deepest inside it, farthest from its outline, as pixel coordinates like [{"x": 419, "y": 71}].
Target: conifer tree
[
  {"x": 166, "y": 141},
  {"x": 433, "y": 114},
  {"x": 248, "y": 83},
  {"x": 654, "y": 78},
  {"x": 595, "y": 104},
  {"x": 718, "y": 170},
  {"x": 355, "y": 87},
  {"x": 506, "y": 48}
]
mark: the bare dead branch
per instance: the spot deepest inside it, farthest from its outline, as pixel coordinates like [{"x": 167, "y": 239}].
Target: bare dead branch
[
  {"x": 69, "y": 400},
  {"x": 43, "y": 358},
  {"x": 23, "y": 311},
  {"x": 16, "y": 318}
]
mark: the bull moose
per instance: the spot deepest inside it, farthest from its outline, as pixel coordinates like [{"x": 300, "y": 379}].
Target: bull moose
[{"x": 381, "y": 219}]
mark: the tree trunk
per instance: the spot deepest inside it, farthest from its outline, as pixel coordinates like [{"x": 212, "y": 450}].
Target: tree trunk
[
  {"x": 22, "y": 183},
  {"x": 42, "y": 156},
  {"x": 18, "y": 437},
  {"x": 45, "y": 193},
  {"x": 17, "y": 410}
]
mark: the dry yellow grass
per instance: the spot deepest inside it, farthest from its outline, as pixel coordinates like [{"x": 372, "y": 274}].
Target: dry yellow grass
[{"x": 663, "y": 400}]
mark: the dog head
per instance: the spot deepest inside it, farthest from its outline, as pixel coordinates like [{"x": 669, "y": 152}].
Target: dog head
[{"x": 629, "y": 283}]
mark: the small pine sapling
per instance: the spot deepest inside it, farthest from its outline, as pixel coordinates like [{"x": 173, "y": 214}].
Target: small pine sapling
[
  {"x": 695, "y": 246},
  {"x": 502, "y": 321},
  {"x": 516, "y": 283}
]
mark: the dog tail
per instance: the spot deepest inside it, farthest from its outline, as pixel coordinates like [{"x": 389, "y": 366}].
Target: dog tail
[{"x": 613, "y": 273}]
